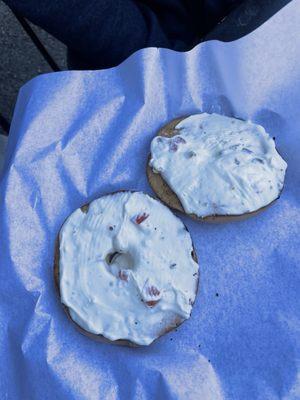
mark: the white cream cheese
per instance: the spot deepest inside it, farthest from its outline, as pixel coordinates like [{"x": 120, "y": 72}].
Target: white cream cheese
[
  {"x": 218, "y": 165},
  {"x": 125, "y": 267}
]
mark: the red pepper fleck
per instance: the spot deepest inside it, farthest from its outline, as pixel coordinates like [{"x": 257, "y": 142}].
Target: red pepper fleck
[
  {"x": 150, "y": 294},
  {"x": 179, "y": 139},
  {"x": 173, "y": 147},
  {"x": 123, "y": 276},
  {"x": 152, "y": 303},
  {"x": 140, "y": 218},
  {"x": 153, "y": 291}
]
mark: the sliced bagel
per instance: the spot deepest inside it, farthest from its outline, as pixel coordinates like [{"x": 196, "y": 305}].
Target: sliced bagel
[
  {"x": 76, "y": 255},
  {"x": 163, "y": 182}
]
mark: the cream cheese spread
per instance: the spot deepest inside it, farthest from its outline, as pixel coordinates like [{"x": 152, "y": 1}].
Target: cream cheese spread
[
  {"x": 218, "y": 165},
  {"x": 126, "y": 269}
]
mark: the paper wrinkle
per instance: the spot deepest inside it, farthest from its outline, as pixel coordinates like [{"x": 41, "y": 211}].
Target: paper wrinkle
[{"x": 78, "y": 135}]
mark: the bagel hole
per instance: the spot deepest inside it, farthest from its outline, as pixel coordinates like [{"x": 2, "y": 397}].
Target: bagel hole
[{"x": 119, "y": 260}]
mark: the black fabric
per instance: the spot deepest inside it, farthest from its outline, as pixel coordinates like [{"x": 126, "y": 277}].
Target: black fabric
[
  {"x": 102, "y": 33},
  {"x": 245, "y": 19}
]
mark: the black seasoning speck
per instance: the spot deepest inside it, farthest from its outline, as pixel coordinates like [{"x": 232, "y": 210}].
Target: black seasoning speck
[
  {"x": 191, "y": 154},
  {"x": 258, "y": 160},
  {"x": 236, "y": 161},
  {"x": 274, "y": 138},
  {"x": 155, "y": 228},
  {"x": 209, "y": 361},
  {"x": 247, "y": 151},
  {"x": 195, "y": 274},
  {"x": 111, "y": 228},
  {"x": 171, "y": 338},
  {"x": 199, "y": 345},
  {"x": 172, "y": 266},
  {"x": 217, "y": 294},
  {"x": 135, "y": 322}
]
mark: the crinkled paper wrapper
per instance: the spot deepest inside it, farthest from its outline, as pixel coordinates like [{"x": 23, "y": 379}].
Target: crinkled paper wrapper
[{"x": 78, "y": 135}]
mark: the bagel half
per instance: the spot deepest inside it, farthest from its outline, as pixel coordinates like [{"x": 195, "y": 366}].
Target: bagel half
[
  {"x": 167, "y": 195},
  {"x": 101, "y": 337}
]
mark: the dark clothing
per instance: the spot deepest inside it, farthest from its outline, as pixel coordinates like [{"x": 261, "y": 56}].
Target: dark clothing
[{"x": 102, "y": 33}]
